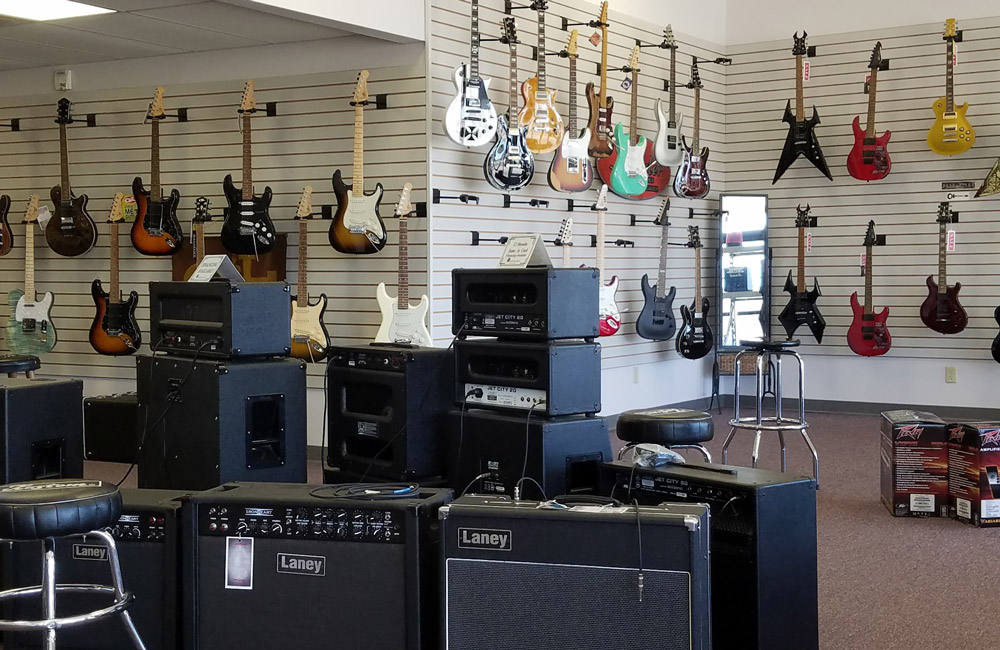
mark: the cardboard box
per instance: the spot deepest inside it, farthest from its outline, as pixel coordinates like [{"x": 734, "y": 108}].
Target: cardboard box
[
  {"x": 914, "y": 464},
  {"x": 974, "y": 473}
]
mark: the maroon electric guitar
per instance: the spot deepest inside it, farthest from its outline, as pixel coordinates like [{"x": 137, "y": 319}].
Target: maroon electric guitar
[
  {"x": 691, "y": 181},
  {"x": 869, "y": 158},
  {"x": 868, "y": 334},
  {"x": 941, "y": 310}
]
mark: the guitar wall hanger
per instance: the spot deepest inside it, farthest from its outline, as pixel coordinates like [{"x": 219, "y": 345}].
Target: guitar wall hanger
[
  {"x": 181, "y": 116},
  {"x": 270, "y": 109},
  {"x": 534, "y": 49},
  {"x": 379, "y": 102},
  {"x": 596, "y": 24},
  {"x": 705, "y": 213},
  {"x": 722, "y": 60},
  {"x": 633, "y": 221},
  {"x": 535, "y": 203},
  {"x": 958, "y": 36},
  {"x": 437, "y": 197},
  {"x": 478, "y": 238},
  {"x": 883, "y": 65},
  {"x": 624, "y": 68},
  {"x": 13, "y": 125},
  {"x": 622, "y": 243}
]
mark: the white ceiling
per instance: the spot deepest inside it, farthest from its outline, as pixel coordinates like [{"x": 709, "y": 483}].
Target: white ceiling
[{"x": 143, "y": 28}]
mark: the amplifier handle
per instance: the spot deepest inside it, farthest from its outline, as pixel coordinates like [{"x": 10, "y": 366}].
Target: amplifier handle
[
  {"x": 570, "y": 500},
  {"x": 190, "y": 325}
]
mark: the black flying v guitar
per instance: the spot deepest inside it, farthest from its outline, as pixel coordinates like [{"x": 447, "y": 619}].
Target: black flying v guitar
[
  {"x": 71, "y": 230},
  {"x": 801, "y": 139},
  {"x": 656, "y": 320},
  {"x": 695, "y": 339},
  {"x": 801, "y": 308}
]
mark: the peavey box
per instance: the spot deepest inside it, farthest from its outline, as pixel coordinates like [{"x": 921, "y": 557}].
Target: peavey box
[
  {"x": 914, "y": 452},
  {"x": 973, "y": 474}
]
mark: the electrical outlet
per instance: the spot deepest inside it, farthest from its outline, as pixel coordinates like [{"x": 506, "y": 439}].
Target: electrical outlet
[
  {"x": 951, "y": 374},
  {"x": 635, "y": 374}
]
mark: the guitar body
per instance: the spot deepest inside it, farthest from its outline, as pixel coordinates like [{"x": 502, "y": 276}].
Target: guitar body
[
  {"x": 601, "y": 145},
  {"x": 868, "y": 160},
  {"x": 951, "y": 134},
  {"x": 408, "y": 326},
  {"x": 628, "y": 177},
  {"x": 667, "y": 148},
  {"x": 868, "y": 337},
  {"x": 995, "y": 348},
  {"x": 695, "y": 339},
  {"x": 357, "y": 228},
  {"x": 542, "y": 123},
  {"x": 691, "y": 180},
  {"x": 942, "y": 312},
  {"x": 610, "y": 320},
  {"x": 309, "y": 336},
  {"x": 657, "y": 176},
  {"x": 248, "y": 229},
  {"x": 29, "y": 328},
  {"x": 115, "y": 331},
  {"x": 802, "y": 310},
  {"x": 471, "y": 118},
  {"x": 509, "y": 166},
  {"x": 571, "y": 170},
  {"x": 156, "y": 230},
  {"x": 801, "y": 141},
  {"x": 656, "y": 320},
  {"x": 6, "y": 236},
  {"x": 71, "y": 230}
]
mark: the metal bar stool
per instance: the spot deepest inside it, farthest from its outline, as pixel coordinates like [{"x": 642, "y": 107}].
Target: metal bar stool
[
  {"x": 12, "y": 364},
  {"x": 768, "y": 352},
  {"x": 57, "y": 509},
  {"x": 671, "y": 427}
]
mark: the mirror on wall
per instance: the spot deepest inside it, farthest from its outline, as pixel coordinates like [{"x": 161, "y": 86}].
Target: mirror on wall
[{"x": 744, "y": 291}]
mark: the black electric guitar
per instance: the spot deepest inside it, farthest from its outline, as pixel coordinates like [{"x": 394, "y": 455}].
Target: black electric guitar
[
  {"x": 801, "y": 308},
  {"x": 510, "y": 165},
  {"x": 156, "y": 230},
  {"x": 695, "y": 340},
  {"x": 656, "y": 320},
  {"x": 995, "y": 348},
  {"x": 801, "y": 139},
  {"x": 70, "y": 231},
  {"x": 115, "y": 331},
  {"x": 247, "y": 229},
  {"x": 6, "y": 236}
]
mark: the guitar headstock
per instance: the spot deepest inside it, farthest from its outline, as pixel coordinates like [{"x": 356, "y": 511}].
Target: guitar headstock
[
  {"x": 403, "y": 205},
  {"x": 633, "y": 60},
  {"x": 870, "y": 234},
  {"x": 802, "y": 219},
  {"x": 950, "y": 33},
  {"x": 604, "y": 14},
  {"x": 508, "y": 32},
  {"x": 540, "y": 5},
  {"x": 31, "y": 212},
  {"x": 201, "y": 213},
  {"x": 571, "y": 45},
  {"x": 155, "y": 111},
  {"x": 662, "y": 217},
  {"x": 565, "y": 236},
  {"x": 602, "y": 198},
  {"x": 694, "y": 238},
  {"x": 248, "y": 104},
  {"x": 876, "y": 59},
  {"x": 64, "y": 111},
  {"x": 695, "y": 76},
  {"x": 304, "y": 211},
  {"x": 117, "y": 208},
  {"x": 799, "y": 47},
  {"x": 668, "y": 38},
  {"x": 945, "y": 214},
  {"x": 361, "y": 90}
]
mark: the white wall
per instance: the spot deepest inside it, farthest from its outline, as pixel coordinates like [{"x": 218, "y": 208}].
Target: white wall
[
  {"x": 400, "y": 21},
  {"x": 705, "y": 20}
]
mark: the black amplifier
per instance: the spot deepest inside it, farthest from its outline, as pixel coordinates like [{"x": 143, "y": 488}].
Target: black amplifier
[
  {"x": 557, "y": 378},
  {"x": 220, "y": 320},
  {"x": 764, "y": 591},
  {"x": 41, "y": 429},
  {"x": 295, "y": 566},
  {"x": 110, "y": 428},
  {"x": 528, "y": 304},
  {"x": 519, "y": 573}
]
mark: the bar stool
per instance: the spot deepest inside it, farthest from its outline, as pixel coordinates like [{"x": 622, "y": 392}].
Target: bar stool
[
  {"x": 768, "y": 352},
  {"x": 671, "y": 427},
  {"x": 12, "y": 364},
  {"x": 57, "y": 509}
]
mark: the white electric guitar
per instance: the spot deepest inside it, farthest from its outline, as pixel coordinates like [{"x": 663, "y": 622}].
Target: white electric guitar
[
  {"x": 565, "y": 240},
  {"x": 29, "y": 329},
  {"x": 610, "y": 315},
  {"x": 471, "y": 118},
  {"x": 309, "y": 337},
  {"x": 668, "y": 148},
  {"x": 401, "y": 322}
]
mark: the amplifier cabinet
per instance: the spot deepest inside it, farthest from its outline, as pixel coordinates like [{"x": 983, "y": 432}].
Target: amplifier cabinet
[
  {"x": 517, "y": 575},
  {"x": 280, "y": 566},
  {"x": 528, "y": 304},
  {"x": 110, "y": 425},
  {"x": 764, "y": 580},
  {"x": 147, "y": 535},
  {"x": 221, "y": 319},
  {"x": 557, "y": 378},
  {"x": 41, "y": 429}
]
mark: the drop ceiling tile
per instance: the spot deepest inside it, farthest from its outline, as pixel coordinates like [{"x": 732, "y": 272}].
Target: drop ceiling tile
[
  {"x": 151, "y": 30},
  {"x": 239, "y": 21},
  {"x": 34, "y": 57},
  {"x": 108, "y": 47},
  {"x": 138, "y": 5}
]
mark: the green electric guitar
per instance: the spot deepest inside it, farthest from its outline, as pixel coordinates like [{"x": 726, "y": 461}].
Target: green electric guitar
[{"x": 30, "y": 330}]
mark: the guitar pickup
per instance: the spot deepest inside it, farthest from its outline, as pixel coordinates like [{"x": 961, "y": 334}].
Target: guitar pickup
[{"x": 28, "y": 325}]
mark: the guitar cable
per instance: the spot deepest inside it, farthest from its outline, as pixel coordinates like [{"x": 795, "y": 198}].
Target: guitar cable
[
  {"x": 524, "y": 467},
  {"x": 145, "y": 420}
]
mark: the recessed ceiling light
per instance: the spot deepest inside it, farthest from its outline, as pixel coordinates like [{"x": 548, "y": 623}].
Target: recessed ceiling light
[{"x": 48, "y": 9}]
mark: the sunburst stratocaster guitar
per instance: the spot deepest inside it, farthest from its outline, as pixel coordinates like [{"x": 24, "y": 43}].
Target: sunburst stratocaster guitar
[
  {"x": 471, "y": 118},
  {"x": 668, "y": 149},
  {"x": 6, "y": 236},
  {"x": 868, "y": 334},
  {"x": 156, "y": 230},
  {"x": 695, "y": 340},
  {"x": 30, "y": 329},
  {"x": 656, "y": 321},
  {"x": 71, "y": 231},
  {"x": 801, "y": 139},
  {"x": 401, "y": 321},
  {"x": 571, "y": 170},
  {"x": 941, "y": 310},
  {"x": 869, "y": 157},
  {"x": 601, "y": 106},
  {"x": 951, "y": 134},
  {"x": 801, "y": 308},
  {"x": 115, "y": 331},
  {"x": 309, "y": 337},
  {"x": 542, "y": 123},
  {"x": 510, "y": 165},
  {"x": 691, "y": 180},
  {"x": 610, "y": 316}
]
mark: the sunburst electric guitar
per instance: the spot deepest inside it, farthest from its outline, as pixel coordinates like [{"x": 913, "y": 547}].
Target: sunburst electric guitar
[
  {"x": 115, "y": 331},
  {"x": 601, "y": 106},
  {"x": 30, "y": 329},
  {"x": 610, "y": 316},
  {"x": 401, "y": 321},
  {"x": 542, "y": 123},
  {"x": 951, "y": 134},
  {"x": 571, "y": 170},
  {"x": 309, "y": 337},
  {"x": 156, "y": 230}
]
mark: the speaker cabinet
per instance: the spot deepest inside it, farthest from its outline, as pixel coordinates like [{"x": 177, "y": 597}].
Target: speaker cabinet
[
  {"x": 109, "y": 431},
  {"x": 41, "y": 429}
]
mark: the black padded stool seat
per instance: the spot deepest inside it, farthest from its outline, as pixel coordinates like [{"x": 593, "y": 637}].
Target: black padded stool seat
[
  {"x": 35, "y": 510},
  {"x": 11, "y": 364},
  {"x": 665, "y": 426},
  {"x": 771, "y": 345}
]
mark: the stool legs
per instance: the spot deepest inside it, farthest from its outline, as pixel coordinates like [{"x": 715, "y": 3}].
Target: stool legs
[
  {"x": 756, "y": 449},
  {"x": 736, "y": 405},
  {"x": 784, "y": 450},
  {"x": 116, "y": 582},
  {"x": 49, "y": 590}
]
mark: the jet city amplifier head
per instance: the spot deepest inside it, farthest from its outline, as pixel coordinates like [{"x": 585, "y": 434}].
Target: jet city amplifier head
[{"x": 529, "y": 304}]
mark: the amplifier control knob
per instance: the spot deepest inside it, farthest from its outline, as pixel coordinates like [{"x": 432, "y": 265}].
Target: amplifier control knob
[
  {"x": 242, "y": 527},
  {"x": 276, "y": 528},
  {"x": 134, "y": 532}
]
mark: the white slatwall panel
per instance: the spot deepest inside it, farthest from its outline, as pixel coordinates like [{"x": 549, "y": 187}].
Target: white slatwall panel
[
  {"x": 903, "y": 205},
  {"x": 457, "y": 170},
  {"x": 310, "y": 137}
]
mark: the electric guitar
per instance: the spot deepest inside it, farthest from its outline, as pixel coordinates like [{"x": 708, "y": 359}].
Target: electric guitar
[
  {"x": 869, "y": 158},
  {"x": 248, "y": 229},
  {"x": 610, "y": 320},
  {"x": 656, "y": 320},
  {"x": 357, "y": 227},
  {"x": 601, "y": 106},
  {"x": 401, "y": 321},
  {"x": 70, "y": 231},
  {"x": 691, "y": 180},
  {"x": 471, "y": 118},
  {"x": 941, "y": 310},
  {"x": 995, "y": 348},
  {"x": 801, "y": 139},
  {"x": 571, "y": 170},
  {"x": 564, "y": 240},
  {"x": 309, "y": 336},
  {"x": 695, "y": 340},
  {"x": 156, "y": 230},
  {"x": 868, "y": 334},
  {"x": 951, "y": 134},
  {"x": 801, "y": 308},
  {"x": 201, "y": 217},
  {"x": 542, "y": 122},
  {"x": 668, "y": 149},
  {"x": 6, "y": 236},
  {"x": 114, "y": 331},
  {"x": 510, "y": 165},
  {"x": 30, "y": 329}
]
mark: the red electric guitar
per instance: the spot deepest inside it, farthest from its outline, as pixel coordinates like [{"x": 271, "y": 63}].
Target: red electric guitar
[
  {"x": 868, "y": 334},
  {"x": 869, "y": 158},
  {"x": 941, "y": 310},
  {"x": 610, "y": 316}
]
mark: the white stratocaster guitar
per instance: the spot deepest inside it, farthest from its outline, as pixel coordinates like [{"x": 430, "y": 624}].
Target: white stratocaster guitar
[
  {"x": 401, "y": 322},
  {"x": 667, "y": 147},
  {"x": 471, "y": 118},
  {"x": 309, "y": 337},
  {"x": 565, "y": 240},
  {"x": 611, "y": 318},
  {"x": 29, "y": 329}
]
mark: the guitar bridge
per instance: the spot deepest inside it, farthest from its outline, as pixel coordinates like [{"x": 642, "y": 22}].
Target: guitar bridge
[{"x": 28, "y": 325}]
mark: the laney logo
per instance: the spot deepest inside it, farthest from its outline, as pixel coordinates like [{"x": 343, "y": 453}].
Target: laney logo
[
  {"x": 484, "y": 539},
  {"x": 909, "y": 431},
  {"x": 956, "y": 434},
  {"x": 304, "y": 565},
  {"x": 990, "y": 436},
  {"x": 89, "y": 552}
]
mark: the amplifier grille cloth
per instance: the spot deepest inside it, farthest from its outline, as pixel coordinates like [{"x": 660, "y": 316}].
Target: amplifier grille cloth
[{"x": 522, "y": 605}]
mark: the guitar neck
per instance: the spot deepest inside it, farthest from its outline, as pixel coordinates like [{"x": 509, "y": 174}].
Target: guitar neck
[
  {"x": 115, "y": 290},
  {"x": 697, "y": 278},
  {"x": 541, "y": 50},
  {"x": 403, "y": 272},
  {"x": 64, "y": 164},
  {"x": 661, "y": 278},
  {"x": 474, "y": 54},
  {"x": 247, "y": 160},
  {"x": 673, "y": 85},
  {"x": 600, "y": 244},
  {"x": 302, "y": 287},
  {"x": 603, "y": 95},
  {"x": 870, "y": 126},
  {"x": 949, "y": 92},
  {"x": 29, "y": 260},
  {"x": 868, "y": 280},
  {"x": 358, "y": 179},
  {"x": 696, "y": 133},
  {"x": 566, "y": 255},
  {"x": 512, "y": 104},
  {"x": 800, "y": 102},
  {"x": 633, "y": 122},
  {"x": 199, "y": 240},
  {"x": 800, "y": 284},
  {"x": 572, "y": 96},
  {"x": 155, "y": 192},
  {"x": 943, "y": 259}
]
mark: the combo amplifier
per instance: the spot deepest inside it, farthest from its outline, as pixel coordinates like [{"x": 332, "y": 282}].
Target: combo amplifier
[
  {"x": 41, "y": 429},
  {"x": 147, "y": 536},
  {"x": 386, "y": 410},
  {"x": 556, "y": 378},
  {"x": 220, "y": 320},
  {"x": 516, "y": 575},
  {"x": 529, "y": 304},
  {"x": 110, "y": 428},
  {"x": 763, "y": 541},
  {"x": 303, "y": 566}
]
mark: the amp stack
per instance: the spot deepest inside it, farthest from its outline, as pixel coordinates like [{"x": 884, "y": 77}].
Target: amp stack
[{"x": 527, "y": 397}]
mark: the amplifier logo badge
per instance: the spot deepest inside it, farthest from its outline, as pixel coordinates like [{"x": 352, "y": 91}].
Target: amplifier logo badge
[
  {"x": 90, "y": 552},
  {"x": 486, "y": 539},
  {"x": 304, "y": 565}
]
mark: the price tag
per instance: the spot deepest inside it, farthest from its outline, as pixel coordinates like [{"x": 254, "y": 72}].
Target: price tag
[
  {"x": 954, "y": 53},
  {"x": 595, "y": 39},
  {"x": 43, "y": 216},
  {"x": 626, "y": 83},
  {"x": 864, "y": 262},
  {"x": 130, "y": 208},
  {"x": 951, "y": 241},
  {"x": 809, "y": 242},
  {"x": 806, "y": 70}
]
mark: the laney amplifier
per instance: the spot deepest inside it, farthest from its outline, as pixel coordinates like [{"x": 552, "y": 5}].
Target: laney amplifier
[
  {"x": 528, "y": 304},
  {"x": 556, "y": 378}
]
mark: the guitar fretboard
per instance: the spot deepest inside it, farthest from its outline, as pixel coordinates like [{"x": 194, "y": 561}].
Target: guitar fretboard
[
  {"x": 403, "y": 271},
  {"x": 661, "y": 278},
  {"x": 155, "y": 193},
  {"x": 800, "y": 102},
  {"x": 800, "y": 284},
  {"x": 247, "y": 160},
  {"x": 302, "y": 286},
  {"x": 572, "y": 95},
  {"x": 600, "y": 244},
  {"x": 697, "y": 279},
  {"x": 943, "y": 258},
  {"x": 870, "y": 126},
  {"x": 358, "y": 179},
  {"x": 512, "y": 100},
  {"x": 949, "y": 92},
  {"x": 673, "y": 86},
  {"x": 696, "y": 133},
  {"x": 633, "y": 122},
  {"x": 29, "y": 260},
  {"x": 199, "y": 241},
  {"x": 64, "y": 164},
  {"x": 474, "y": 54},
  {"x": 541, "y": 50},
  {"x": 869, "y": 262},
  {"x": 115, "y": 291},
  {"x": 602, "y": 97}
]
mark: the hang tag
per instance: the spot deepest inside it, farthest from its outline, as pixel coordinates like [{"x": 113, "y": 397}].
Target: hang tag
[
  {"x": 864, "y": 262},
  {"x": 239, "y": 563},
  {"x": 951, "y": 241},
  {"x": 809, "y": 242},
  {"x": 868, "y": 84},
  {"x": 806, "y": 70},
  {"x": 595, "y": 39},
  {"x": 130, "y": 209},
  {"x": 43, "y": 216},
  {"x": 626, "y": 83},
  {"x": 954, "y": 53}
]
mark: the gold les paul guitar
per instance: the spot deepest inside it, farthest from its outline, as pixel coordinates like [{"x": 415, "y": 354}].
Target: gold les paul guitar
[
  {"x": 951, "y": 133},
  {"x": 539, "y": 115},
  {"x": 309, "y": 337}
]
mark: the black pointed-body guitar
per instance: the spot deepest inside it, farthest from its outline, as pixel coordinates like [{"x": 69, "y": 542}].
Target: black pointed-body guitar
[
  {"x": 695, "y": 340},
  {"x": 801, "y": 308},
  {"x": 656, "y": 321},
  {"x": 801, "y": 139}
]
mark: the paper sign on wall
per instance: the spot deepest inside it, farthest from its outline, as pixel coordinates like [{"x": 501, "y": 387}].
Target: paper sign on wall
[
  {"x": 523, "y": 251},
  {"x": 43, "y": 216}
]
